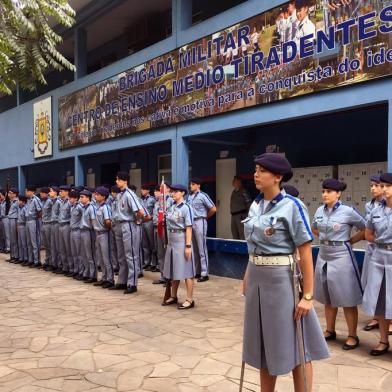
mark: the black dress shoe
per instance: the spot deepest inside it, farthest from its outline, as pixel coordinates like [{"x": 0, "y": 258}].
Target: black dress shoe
[
  {"x": 99, "y": 283},
  {"x": 154, "y": 269},
  {"x": 10, "y": 259},
  {"x": 90, "y": 280},
  {"x": 107, "y": 285},
  {"x": 25, "y": 263},
  {"x": 118, "y": 287},
  {"x": 187, "y": 305},
  {"x": 159, "y": 281},
  {"x": 197, "y": 276},
  {"x": 79, "y": 277},
  {"x": 351, "y": 346},
  {"x": 203, "y": 279},
  {"x": 376, "y": 353},
  {"x": 69, "y": 274},
  {"x": 130, "y": 290},
  {"x": 37, "y": 265},
  {"x": 140, "y": 275},
  {"x": 331, "y": 336}
]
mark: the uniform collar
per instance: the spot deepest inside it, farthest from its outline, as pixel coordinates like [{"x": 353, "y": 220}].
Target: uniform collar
[
  {"x": 180, "y": 205},
  {"x": 273, "y": 202},
  {"x": 335, "y": 207}
]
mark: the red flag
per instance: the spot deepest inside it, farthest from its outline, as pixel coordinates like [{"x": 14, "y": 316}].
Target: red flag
[{"x": 161, "y": 228}]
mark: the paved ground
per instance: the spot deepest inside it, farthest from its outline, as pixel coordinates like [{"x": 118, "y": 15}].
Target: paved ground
[{"x": 57, "y": 334}]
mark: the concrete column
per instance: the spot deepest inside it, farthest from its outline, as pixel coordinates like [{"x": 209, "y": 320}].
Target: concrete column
[
  {"x": 80, "y": 52},
  {"x": 181, "y": 16},
  {"x": 180, "y": 160},
  {"x": 78, "y": 171}
]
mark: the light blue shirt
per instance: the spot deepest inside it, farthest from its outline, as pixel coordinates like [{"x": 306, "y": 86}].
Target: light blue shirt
[
  {"x": 201, "y": 204},
  {"x": 148, "y": 203},
  {"x": 87, "y": 217},
  {"x": 47, "y": 210},
  {"x": 65, "y": 211},
  {"x": 369, "y": 206},
  {"x": 155, "y": 212},
  {"x": 380, "y": 222},
  {"x": 102, "y": 213},
  {"x": 22, "y": 214},
  {"x": 55, "y": 209},
  {"x": 13, "y": 211},
  {"x": 33, "y": 208},
  {"x": 2, "y": 209},
  {"x": 277, "y": 227},
  {"x": 179, "y": 216},
  {"x": 127, "y": 204},
  {"x": 76, "y": 216},
  {"x": 336, "y": 225}
]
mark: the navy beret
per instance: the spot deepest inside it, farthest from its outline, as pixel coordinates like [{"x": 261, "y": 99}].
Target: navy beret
[
  {"x": 23, "y": 198},
  {"x": 85, "y": 193},
  {"x": 55, "y": 188},
  {"x": 115, "y": 189},
  {"x": 123, "y": 175},
  {"x": 179, "y": 187},
  {"x": 386, "y": 177},
  {"x": 375, "y": 178},
  {"x": 334, "y": 184},
  {"x": 145, "y": 187},
  {"x": 14, "y": 190},
  {"x": 133, "y": 187},
  {"x": 89, "y": 188},
  {"x": 275, "y": 163},
  {"x": 64, "y": 188},
  {"x": 45, "y": 189},
  {"x": 74, "y": 194},
  {"x": 195, "y": 180},
  {"x": 31, "y": 188},
  {"x": 79, "y": 188},
  {"x": 167, "y": 184},
  {"x": 101, "y": 190},
  {"x": 291, "y": 190}
]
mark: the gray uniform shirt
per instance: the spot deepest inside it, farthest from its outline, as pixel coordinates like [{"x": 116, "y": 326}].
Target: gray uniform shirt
[
  {"x": 33, "y": 208},
  {"x": 102, "y": 213},
  {"x": 148, "y": 203},
  {"x": 13, "y": 211},
  {"x": 22, "y": 214},
  {"x": 380, "y": 222},
  {"x": 336, "y": 225},
  {"x": 369, "y": 206},
  {"x": 201, "y": 204},
  {"x": 65, "y": 211},
  {"x": 87, "y": 217},
  {"x": 278, "y": 228},
  {"x": 76, "y": 216},
  {"x": 155, "y": 212},
  {"x": 2, "y": 209},
  {"x": 179, "y": 216},
  {"x": 239, "y": 201},
  {"x": 127, "y": 205},
  {"x": 55, "y": 209},
  {"x": 47, "y": 210}
]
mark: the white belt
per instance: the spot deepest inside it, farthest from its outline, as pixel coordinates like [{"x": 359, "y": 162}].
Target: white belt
[{"x": 271, "y": 260}]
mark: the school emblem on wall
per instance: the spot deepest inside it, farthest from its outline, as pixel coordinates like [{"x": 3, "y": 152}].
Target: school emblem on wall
[{"x": 43, "y": 128}]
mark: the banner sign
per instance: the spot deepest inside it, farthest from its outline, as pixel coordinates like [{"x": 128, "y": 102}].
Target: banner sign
[
  {"x": 43, "y": 128},
  {"x": 301, "y": 47}
]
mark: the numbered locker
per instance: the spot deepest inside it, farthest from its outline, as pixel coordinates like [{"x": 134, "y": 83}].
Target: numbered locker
[
  {"x": 377, "y": 168},
  {"x": 346, "y": 175},
  {"x": 361, "y": 177},
  {"x": 324, "y": 172},
  {"x": 312, "y": 179},
  {"x": 360, "y": 199},
  {"x": 347, "y": 198},
  {"x": 300, "y": 179}
]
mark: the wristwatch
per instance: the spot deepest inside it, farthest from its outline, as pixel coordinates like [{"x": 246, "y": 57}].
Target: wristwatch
[
  {"x": 188, "y": 246},
  {"x": 308, "y": 297}
]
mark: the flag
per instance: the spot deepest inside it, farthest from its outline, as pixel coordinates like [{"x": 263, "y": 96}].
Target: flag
[{"x": 161, "y": 217}]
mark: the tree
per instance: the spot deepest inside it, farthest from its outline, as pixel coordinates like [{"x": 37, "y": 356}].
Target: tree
[{"x": 28, "y": 42}]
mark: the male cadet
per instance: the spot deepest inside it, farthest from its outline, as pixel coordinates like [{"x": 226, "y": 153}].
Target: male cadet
[
  {"x": 12, "y": 221},
  {"x": 102, "y": 225},
  {"x": 114, "y": 190},
  {"x": 150, "y": 259},
  {"x": 239, "y": 206},
  {"x": 55, "y": 262},
  {"x": 87, "y": 234},
  {"x": 65, "y": 232},
  {"x": 47, "y": 204},
  {"x": 159, "y": 238},
  {"x": 74, "y": 225},
  {"x": 305, "y": 25},
  {"x": 33, "y": 229},
  {"x": 129, "y": 210},
  {"x": 22, "y": 239},
  {"x": 293, "y": 22},
  {"x": 203, "y": 208},
  {"x": 3, "y": 238}
]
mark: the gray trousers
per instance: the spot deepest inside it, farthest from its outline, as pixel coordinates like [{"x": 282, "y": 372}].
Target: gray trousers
[
  {"x": 2, "y": 236},
  {"x": 87, "y": 252},
  {"x": 6, "y": 224},
  {"x": 113, "y": 249},
  {"x": 199, "y": 239},
  {"x": 237, "y": 227},
  {"x": 148, "y": 244},
  {"x": 104, "y": 256},
  {"x": 33, "y": 241},
  {"x": 121, "y": 259},
  {"x": 75, "y": 240},
  {"x": 65, "y": 247},
  {"x": 46, "y": 240},
  {"x": 159, "y": 249},
  {"x": 13, "y": 237},
  {"x": 128, "y": 251},
  {"x": 139, "y": 240},
  {"x": 54, "y": 245},
  {"x": 22, "y": 243}
]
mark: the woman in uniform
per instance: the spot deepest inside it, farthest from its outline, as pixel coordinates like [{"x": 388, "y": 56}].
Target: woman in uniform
[
  {"x": 277, "y": 224},
  {"x": 337, "y": 279},
  {"x": 376, "y": 302},
  {"x": 179, "y": 263}
]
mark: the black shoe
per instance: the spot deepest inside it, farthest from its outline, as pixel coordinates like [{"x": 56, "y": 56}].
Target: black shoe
[
  {"x": 351, "y": 346},
  {"x": 10, "y": 259},
  {"x": 121, "y": 286},
  {"x": 58, "y": 272},
  {"x": 331, "y": 336},
  {"x": 203, "y": 279},
  {"x": 99, "y": 283},
  {"x": 90, "y": 280},
  {"x": 186, "y": 305},
  {"x": 140, "y": 275},
  {"x": 130, "y": 290},
  {"x": 197, "y": 276},
  {"x": 376, "y": 353},
  {"x": 85, "y": 278},
  {"x": 37, "y": 265},
  {"x": 159, "y": 281},
  {"x": 370, "y": 327},
  {"x": 69, "y": 274},
  {"x": 154, "y": 269},
  {"x": 107, "y": 285},
  {"x": 79, "y": 277}
]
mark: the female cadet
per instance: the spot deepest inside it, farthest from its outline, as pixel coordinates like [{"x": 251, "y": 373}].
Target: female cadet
[
  {"x": 337, "y": 280},
  {"x": 377, "y": 195},
  {"x": 376, "y": 302},
  {"x": 179, "y": 263},
  {"x": 277, "y": 224}
]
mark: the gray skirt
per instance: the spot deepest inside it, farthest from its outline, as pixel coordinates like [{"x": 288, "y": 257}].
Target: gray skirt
[
  {"x": 365, "y": 266},
  {"x": 379, "y": 282},
  {"x": 336, "y": 280},
  {"x": 177, "y": 267},
  {"x": 270, "y": 340}
]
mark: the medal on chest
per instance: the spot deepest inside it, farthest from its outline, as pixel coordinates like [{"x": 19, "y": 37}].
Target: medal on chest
[
  {"x": 336, "y": 227},
  {"x": 269, "y": 231}
]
